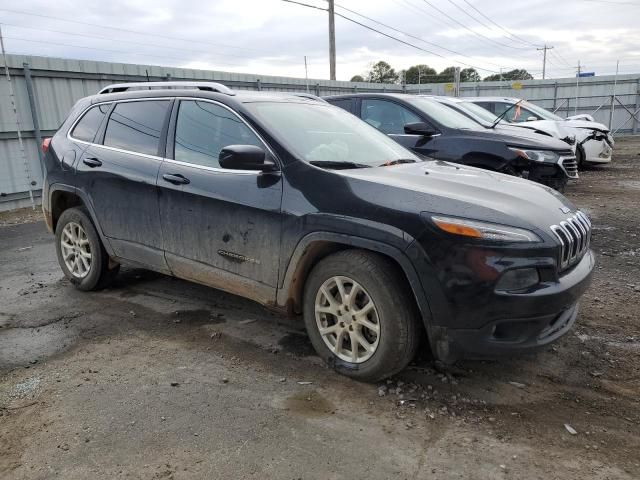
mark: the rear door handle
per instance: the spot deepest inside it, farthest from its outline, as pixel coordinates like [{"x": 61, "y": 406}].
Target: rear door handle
[
  {"x": 92, "y": 162},
  {"x": 176, "y": 179}
]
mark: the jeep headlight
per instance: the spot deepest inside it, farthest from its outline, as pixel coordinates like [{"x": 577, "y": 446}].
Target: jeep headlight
[
  {"x": 484, "y": 230},
  {"x": 536, "y": 155}
]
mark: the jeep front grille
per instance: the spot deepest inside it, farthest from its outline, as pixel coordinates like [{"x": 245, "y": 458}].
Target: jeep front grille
[
  {"x": 570, "y": 166},
  {"x": 574, "y": 234}
]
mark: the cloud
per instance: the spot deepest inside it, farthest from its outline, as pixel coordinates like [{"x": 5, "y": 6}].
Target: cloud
[{"x": 272, "y": 37}]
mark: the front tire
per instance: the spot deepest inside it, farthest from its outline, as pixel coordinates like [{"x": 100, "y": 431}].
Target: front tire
[
  {"x": 360, "y": 315},
  {"x": 81, "y": 254}
]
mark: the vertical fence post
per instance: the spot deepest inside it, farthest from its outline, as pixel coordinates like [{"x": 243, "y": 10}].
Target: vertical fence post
[
  {"x": 635, "y": 122},
  {"x": 317, "y": 89},
  {"x": 555, "y": 95},
  {"x": 34, "y": 113},
  {"x": 259, "y": 85}
]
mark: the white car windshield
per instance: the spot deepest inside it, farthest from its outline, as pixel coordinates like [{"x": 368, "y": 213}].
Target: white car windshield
[
  {"x": 477, "y": 111},
  {"x": 444, "y": 115},
  {"x": 322, "y": 134},
  {"x": 541, "y": 112}
]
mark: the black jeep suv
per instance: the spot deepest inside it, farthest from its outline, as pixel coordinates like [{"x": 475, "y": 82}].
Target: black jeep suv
[
  {"x": 430, "y": 128},
  {"x": 299, "y": 205}
]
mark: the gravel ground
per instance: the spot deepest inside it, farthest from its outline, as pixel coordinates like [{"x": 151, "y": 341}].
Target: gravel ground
[{"x": 160, "y": 378}]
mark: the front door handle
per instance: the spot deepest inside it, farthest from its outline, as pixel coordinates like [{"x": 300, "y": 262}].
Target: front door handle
[
  {"x": 176, "y": 179},
  {"x": 92, "y": 162}
]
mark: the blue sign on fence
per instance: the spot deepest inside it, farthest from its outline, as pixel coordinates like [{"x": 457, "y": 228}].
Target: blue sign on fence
[{"x": 586, "y": 74}]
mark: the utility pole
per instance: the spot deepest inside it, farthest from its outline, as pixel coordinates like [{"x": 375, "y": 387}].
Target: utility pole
[
  {"x": 25, "y": 161},
  {"x": 544, "y": 59},
  {"x": 332, "y": 41},
  {"x": 575, "y": 110}
]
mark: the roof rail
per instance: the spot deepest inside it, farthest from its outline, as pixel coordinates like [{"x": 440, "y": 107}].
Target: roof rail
[
  {"x": 308, "y": 96},
  {"x": 207, "y": 86}
]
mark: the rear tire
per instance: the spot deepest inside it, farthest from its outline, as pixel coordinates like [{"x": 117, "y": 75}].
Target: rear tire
[
  {"x": 580, "y": 158},
  {"x": 81, "y": 254},
  {"x": 361, "y": 299}
]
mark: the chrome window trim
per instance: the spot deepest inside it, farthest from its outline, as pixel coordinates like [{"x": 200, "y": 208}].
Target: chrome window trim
[
  {"x": 155, "y": 157},
  {"x": 259, "y": 137},
  {"x": 115, "y": 149},
  {"x": 213, "y": 169}
]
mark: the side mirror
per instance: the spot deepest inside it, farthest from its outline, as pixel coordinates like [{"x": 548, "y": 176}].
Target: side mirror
[
  {"x": 532, "y": 119},
  {"x": 245, "y": 157},
  {"x": 419, "y": 128}
]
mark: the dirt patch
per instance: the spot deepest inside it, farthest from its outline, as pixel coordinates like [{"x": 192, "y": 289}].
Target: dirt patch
[{"x": 160, "y": 378}]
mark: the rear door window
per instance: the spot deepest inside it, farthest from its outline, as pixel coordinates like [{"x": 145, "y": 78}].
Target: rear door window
[
  {"x": 388, "y": 117},
  {"x": 137, "y": 126},
  {"x": 204, "y": 128},
  {"x": 344, "y": 103},
  {"x": 90, "y": 122}
]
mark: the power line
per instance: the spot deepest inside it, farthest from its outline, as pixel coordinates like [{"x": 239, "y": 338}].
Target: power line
[
  {"x": 182, "y": 39},
  {"x": 500, "y": 26},
  {"x": 471, "y": 30},
  {"x": 408, "y": 43},
  {"x": 385, "y": 34},
  {"x": 102, "y": 37},
  {"x": 47, "y": 42},
  {"x": 409, "y": 35}
]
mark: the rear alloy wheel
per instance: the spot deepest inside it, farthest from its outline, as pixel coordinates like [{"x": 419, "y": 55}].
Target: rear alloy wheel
[
  {"x": 81, "y": 254},
  {"x": 360, "y": 315},
  {"x": 76, "y": 250}
]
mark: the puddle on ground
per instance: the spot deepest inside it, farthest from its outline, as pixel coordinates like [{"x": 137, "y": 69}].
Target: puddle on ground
[
  {"x": 309, "y": 403},
  {"x": 297, "y": 344}
]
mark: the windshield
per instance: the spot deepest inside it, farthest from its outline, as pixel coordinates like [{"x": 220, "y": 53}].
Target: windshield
[
  {"x": 320, "y": 133},
  {"x": 541, "y": 112},
  {"x": 482, "y": 114},
  {"x": 444, "y": 115}
]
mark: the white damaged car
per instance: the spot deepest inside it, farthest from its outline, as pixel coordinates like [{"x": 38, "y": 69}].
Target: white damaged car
[{"x": 592, "y": 141}]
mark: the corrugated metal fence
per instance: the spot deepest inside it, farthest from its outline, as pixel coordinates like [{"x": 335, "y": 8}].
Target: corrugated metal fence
[{"x": 56, "y": 84}]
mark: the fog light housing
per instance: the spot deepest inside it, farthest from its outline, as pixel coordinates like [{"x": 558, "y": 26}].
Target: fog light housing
[{"x": 518, "y": 279}]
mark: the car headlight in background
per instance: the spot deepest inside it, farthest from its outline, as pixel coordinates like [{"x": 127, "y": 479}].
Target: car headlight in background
[
  {"x": 484, "y": 230},
  {"x": 536, "y": 155}
]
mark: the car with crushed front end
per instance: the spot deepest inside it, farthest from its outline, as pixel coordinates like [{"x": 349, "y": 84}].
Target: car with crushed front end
[
  {"x": 429, "y": 128},
  {"x": 300, "y": 206},
  {"x": 594, "y": 141}
]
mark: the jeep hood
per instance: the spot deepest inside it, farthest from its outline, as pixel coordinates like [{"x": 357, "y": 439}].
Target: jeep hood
[{"x": 458, "y": 190}]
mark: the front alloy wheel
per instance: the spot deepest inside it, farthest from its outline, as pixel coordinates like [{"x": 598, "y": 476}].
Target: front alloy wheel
[
  {"x": 347, "y": 319},
  {"x": 360, "y": 315}
]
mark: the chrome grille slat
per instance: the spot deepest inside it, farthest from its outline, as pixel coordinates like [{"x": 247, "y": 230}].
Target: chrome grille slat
[
  {"x": 574, "y": 235},
  {"x": 570, "y": 166}
]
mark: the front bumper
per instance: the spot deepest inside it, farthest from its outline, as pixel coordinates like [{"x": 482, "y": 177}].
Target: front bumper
[
  {"x": 597, "y": 151},
  {"x": 539, "y": 318}
]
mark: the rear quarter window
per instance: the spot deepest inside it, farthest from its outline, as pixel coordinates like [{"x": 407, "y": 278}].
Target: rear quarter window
[
  {"x": 90, "y": 122},
  {"x": 136, "y": 126}
]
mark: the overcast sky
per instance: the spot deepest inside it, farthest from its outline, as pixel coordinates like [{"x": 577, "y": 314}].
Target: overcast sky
[{"x": 271, "y": 37}]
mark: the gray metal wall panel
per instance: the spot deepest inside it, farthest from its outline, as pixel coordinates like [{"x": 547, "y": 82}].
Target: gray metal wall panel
[{"x": 59, "y": 83}]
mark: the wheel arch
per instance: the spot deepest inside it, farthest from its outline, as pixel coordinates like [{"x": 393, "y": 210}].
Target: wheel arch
[
  {"x": 316, "y": 246},
  {"x": 62, "y": 197}
]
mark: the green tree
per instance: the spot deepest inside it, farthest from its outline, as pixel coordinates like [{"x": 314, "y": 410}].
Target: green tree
[
  {"x": 418, "y": 72},
  {"x": 515, "y": 74},
  {"x": 382, "y": 72},
  {"x": 446, "y": 75},
  {"x": 357, "y": 78},
  {"x": 469, "y": 75}
]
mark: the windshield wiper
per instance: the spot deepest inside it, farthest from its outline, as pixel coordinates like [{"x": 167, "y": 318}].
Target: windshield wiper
[
  {"x": 338, "y": 164},
  {"x": 504, "y": 114},
  {"x": 398, "y": 162}
]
